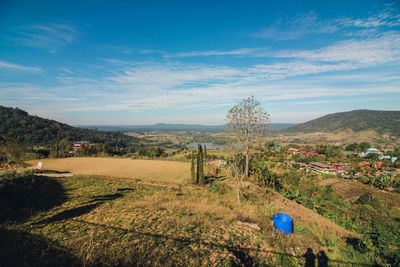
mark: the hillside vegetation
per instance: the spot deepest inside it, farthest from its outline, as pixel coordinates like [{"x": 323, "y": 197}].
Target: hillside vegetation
[
  {"x": 382, "y": 122},
  {"x": 110, "y": 222},
  {"x": 33, "y": 130}
]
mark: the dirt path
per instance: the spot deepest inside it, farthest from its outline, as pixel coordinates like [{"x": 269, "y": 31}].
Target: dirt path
[{"x": 304, "y": 215}]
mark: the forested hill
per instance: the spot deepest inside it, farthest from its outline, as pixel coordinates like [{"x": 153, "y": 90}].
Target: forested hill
[
  {"x": 33, "y": 130},
  {"x": 383, "y": 122}
]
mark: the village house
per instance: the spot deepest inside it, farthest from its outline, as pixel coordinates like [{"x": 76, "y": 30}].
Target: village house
[
  {"x": 313, "y": 154},
  {"x": 320, "y": 167},
  {"x": 361, "y": 154},
  {"x": 292, "y": 163},
  {"x": 372, "y": 150},
  {"x": 364, "y": 163},
  {"x": 378, "y": 165},
  {"x": 293, "y": 151},
  {"x": 79, "y": 144},
  {"x": 275, "y": 148},
  {"x": 341, "y": 166}
]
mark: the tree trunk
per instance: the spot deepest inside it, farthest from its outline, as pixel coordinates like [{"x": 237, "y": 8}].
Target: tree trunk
[{"x": 246, "y": 172}]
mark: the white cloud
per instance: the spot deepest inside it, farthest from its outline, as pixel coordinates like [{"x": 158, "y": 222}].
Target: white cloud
[
  {"x": 8, "y": 65},
  {"x": 384, "y": 49},
  {"x": 295, "y": 28},
  {"x": 283, "y": 70},
  {"x": 165, "y": 76},
  {"x": 254, "y": 52},
  {"x": 389, "y": 17},
  {"x": 51, "y": 36}
]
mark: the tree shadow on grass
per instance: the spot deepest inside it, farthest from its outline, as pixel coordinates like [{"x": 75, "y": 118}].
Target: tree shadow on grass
[
  {"x": 23, "y": 196},
  {"x": 78, "y": 211},
  {"x": 19, "y": 248},
  {"x": 105, "y": 198}
]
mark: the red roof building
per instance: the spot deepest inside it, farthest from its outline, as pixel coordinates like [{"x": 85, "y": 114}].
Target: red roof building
[
  {"x": 364, "y": 163},
  {"x": 378, "y": 165}
]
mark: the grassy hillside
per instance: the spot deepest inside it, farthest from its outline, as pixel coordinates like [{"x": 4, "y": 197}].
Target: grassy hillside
[
  {"x": 382, "y": 122},
  {"x": 103, "y": 221},
  {"x": 33, "y": 130}
]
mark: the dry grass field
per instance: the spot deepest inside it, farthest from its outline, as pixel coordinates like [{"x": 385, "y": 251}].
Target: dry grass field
[{"x": 152, "y": 170}]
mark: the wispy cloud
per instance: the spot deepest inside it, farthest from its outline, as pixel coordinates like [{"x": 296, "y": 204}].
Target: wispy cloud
[
  {"x": 384, "y": 49},
  {"x": 295, "y": 28},
  {"x": 203, "y": 87},
  {"x": 51, "y": 36},
  {"x": 154, "y": 76},
  {"x": 254, "y": 52},
  {"x": 311, "y": 23},
  {"x": 389, "y": 17},
  {"x": 8, "y": 65}
]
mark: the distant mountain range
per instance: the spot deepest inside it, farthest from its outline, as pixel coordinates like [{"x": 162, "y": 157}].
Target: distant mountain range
[
  {"x": 33, "y": 130},
  {"x": 382, "y": 122},
  {"x": 164, "y": 127},
  {"x": 16, "y": 123}
]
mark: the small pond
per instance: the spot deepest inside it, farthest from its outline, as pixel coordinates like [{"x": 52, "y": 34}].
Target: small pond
[{"x": 208, "y": 145}]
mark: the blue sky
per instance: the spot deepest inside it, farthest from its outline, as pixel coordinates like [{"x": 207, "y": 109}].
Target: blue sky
[{"x": 144, "y": 62}]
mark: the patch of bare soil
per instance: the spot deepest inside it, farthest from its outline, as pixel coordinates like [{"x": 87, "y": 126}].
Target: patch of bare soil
[
  {"x": 351, "y": 190},
  {"x": 304, "y": 215},
  {"x": 328, "y": 181},
  {"x": 55, "y": 175}
]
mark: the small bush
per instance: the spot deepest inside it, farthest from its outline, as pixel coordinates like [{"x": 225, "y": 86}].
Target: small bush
[
  {"x": 217, "y": 187},
  {"x": 369, "y": 199}
]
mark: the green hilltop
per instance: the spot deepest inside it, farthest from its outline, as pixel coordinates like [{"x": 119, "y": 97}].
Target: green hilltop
[
  {"x": 33, "y": 130},
  {"x": 382, "y": 122}
]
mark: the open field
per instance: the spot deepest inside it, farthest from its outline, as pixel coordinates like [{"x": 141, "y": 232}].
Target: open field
[{"x": 152, "y": 170}]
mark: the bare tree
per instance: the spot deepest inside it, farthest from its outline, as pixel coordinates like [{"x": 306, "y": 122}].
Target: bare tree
[
  {"x": 235, "y": 170},
  {"x": 248, "y": 121}
]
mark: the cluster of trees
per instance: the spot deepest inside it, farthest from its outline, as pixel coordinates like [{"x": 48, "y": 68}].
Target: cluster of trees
[
  {"x": 197, "y": 173},
  {"x": 358, "y": 147},
  {"x": 11, "y": 150},
  {"x": 261, "y": 174},
  {"x": 152, "y": 152}
]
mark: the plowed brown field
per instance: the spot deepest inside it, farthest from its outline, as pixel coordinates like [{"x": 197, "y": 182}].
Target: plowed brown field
[{"x": 152, "y": 170}]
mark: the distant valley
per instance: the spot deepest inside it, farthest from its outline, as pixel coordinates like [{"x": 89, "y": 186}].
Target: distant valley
[{"x": 165, "y": 127}]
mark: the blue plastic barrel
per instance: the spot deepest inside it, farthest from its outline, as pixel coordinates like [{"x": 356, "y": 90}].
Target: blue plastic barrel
[{"x": 283, "y": 223}]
